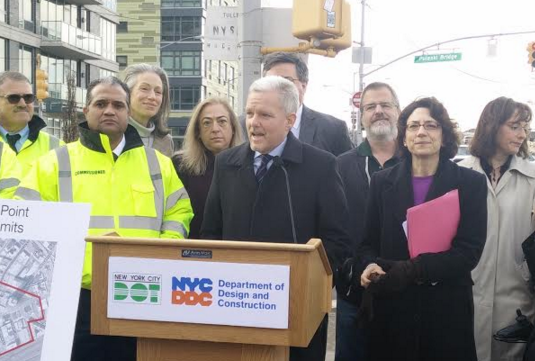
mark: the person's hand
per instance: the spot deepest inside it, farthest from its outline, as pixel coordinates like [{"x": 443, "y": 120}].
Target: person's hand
[
  {"x": 372, "y": 271},
  {"x": 401, "y": 275}
]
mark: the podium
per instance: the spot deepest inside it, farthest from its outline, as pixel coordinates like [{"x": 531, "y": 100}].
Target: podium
[{"x": 310, "y": 287}]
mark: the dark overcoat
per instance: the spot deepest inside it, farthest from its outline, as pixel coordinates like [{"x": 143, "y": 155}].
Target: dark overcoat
[
  {"x": 433, "y": 320},
  {"x": 238, "y": 208}
]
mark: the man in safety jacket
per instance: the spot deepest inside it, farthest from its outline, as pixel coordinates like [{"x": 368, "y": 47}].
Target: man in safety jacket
[
  {"x": 20, "y": 128},
  {"x": 134, "y": 191}
]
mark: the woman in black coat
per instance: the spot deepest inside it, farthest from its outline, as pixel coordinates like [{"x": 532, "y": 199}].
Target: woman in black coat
[
  {"x": 213, "y": 128},
  {"x": 421, "y": 308}
]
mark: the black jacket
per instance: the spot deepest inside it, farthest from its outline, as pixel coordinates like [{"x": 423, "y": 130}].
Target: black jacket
[
  {"x": 238, "y": 208},
  {"x": 426, "y": 321},
  {"x": 352, "y": 168}
]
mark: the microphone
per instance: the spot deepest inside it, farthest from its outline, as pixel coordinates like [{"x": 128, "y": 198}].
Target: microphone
[{"x": 278, "y": 162}]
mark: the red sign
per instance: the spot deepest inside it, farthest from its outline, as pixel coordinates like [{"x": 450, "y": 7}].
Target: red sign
[{"x": 356, "y": 99}]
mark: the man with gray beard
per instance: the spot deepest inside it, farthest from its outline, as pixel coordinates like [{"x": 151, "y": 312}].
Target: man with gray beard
[{"x": 379, "y": 115}]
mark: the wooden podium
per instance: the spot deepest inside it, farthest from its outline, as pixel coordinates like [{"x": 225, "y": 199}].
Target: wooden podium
[{"x": 310, "y": 300}]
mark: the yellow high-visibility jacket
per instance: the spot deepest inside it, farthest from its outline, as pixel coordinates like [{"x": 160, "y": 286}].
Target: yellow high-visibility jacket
[
  {"x": 38, "y": 143},
  {"x": 10, "y": 172},
  {"x": 137, "y": 195}
]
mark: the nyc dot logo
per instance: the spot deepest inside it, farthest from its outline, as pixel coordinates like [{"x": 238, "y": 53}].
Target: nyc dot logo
[
  {"x": 191, "y": 292},
  {"x": 137, "y": 288}
]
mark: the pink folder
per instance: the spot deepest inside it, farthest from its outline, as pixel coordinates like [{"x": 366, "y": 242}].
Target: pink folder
[{"x": 431, "y": 226}]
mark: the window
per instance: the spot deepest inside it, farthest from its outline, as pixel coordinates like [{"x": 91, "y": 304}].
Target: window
[
  {"x": 181, "y": 63},
  {"x": 108, "y": 35},
  {"x": 26, "y": 15},
  {"x": 122, "y": 27},
  {"x": 178, "y": 28},
  {"x": 3, "y": 55},
  {"x": 122, "y": 60},
  {"x": 26, "y": 61},
  {"x": 181, "y": 3},
  {"x": 53, "y": 126},
  {"x": 3, "y": 12},
  {"x": 184, "y": 97}
]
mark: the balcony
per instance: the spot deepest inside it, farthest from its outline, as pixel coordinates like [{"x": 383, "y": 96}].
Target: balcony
[
  {"x": 84, "y": 2},
  {"x": 57, "y": 100},
  {"x": 70, "y": 42}
]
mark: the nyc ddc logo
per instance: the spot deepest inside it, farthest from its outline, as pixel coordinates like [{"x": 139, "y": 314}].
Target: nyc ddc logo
[
  {"x": 191, "y": 292},
  {"x": 137, "y": 288}
]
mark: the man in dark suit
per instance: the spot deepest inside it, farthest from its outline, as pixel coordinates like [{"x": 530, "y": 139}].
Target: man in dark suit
[
  {"x": 277, "y": 189},
  {"x": 321, "y": 130}
]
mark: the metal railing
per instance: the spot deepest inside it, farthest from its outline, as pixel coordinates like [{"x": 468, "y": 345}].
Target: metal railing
[
  {"x": 60, "y": 91},
  {"x": 81, "y": 39}
]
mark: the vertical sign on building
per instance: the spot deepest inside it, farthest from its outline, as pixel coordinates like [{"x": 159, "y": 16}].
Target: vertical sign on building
[{"x": 221, "y": 33}]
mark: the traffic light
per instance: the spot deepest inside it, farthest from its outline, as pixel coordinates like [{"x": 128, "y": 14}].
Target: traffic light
[
  {"x": 318, "y": 19},
  {"x": 345, "y": 41},
  {"x": 41, "y": 84}
]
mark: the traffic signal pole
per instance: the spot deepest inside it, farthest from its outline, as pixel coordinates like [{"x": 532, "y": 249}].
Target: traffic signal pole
[{"x": 357, "y": 126}]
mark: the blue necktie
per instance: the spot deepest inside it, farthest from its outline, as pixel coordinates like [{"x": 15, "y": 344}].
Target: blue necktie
[{"x": 262, "y": 170}]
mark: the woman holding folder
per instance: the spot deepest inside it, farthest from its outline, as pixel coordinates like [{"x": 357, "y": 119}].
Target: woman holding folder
[
  {"x": 500, "y": 152},
  {"x": 420, "y": 307}
]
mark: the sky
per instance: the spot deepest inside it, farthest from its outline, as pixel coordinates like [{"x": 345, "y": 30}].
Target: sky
[{"x": 394, "y": 28}]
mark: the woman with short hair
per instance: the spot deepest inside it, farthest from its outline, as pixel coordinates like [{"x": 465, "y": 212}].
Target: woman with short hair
[
  {"x": 421, "y": 308},
  {"x": 213, "y": 128},
  {"x": 149, "y": 105},
  {"x": 499, "y": 150}
]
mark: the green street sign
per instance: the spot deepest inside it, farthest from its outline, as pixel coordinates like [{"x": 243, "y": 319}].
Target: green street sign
[{"x": 435, "y": 58}]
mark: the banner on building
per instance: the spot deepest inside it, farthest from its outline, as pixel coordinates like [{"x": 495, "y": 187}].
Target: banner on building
[{"x": 221, "y": 33}]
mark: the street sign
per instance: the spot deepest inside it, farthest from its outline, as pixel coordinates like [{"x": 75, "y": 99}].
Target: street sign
[
  {"x": 435, "y": 58},
  {"x": 356, "y": 99}
]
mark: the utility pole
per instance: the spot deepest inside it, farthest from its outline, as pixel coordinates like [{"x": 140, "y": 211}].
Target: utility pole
[
  {"x": 250, "y": 42},
  {"x": 358, "y": 135}
]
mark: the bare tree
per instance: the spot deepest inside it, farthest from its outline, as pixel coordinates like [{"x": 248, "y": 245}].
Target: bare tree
[{"x": 70, "y": 114}]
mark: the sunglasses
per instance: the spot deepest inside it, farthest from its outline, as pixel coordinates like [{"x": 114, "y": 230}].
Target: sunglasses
[{"x": 15, "y": 98}]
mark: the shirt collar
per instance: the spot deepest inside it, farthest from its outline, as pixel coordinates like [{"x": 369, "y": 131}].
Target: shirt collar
[
  {"x": 24, "y": 132},
  {"x": 119, "y": 148},
  {"x": 276, "y": 152},
  {"x": 297, "y": 124}
]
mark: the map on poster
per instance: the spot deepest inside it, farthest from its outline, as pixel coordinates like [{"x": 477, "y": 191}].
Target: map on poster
[{"x": 41, "y": 259}]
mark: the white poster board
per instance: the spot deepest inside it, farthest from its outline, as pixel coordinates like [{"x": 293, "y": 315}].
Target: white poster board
[
  {"x": 41, "y": 258},
  {"x": 215, "y": 293},
  {"x": 221, "y": 33}
]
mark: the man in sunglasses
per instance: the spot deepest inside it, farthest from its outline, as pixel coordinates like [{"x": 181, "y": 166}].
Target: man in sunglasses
[{"x": 20, "y": 128}]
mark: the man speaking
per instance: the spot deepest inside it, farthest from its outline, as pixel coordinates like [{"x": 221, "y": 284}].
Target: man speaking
[{"x": 277, "y": 189}]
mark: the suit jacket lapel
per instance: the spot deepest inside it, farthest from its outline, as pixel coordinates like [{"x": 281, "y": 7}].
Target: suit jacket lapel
[
  {"x": 308, "y": 126},
  {"x": 441, "y": 184}
]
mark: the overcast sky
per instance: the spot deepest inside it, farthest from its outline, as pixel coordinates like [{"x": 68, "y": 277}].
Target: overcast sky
[{"x": 394, "y": 28}]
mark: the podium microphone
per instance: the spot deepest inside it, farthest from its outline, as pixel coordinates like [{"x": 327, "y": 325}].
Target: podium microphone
[{"x": 278, "y": 162}]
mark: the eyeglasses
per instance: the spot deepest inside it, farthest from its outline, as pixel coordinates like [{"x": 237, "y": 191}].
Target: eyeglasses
[
  {"x": 516, "y": 127},
  {"x": 384, "y": 105},
  {"x": 428, "y": 126},
  {"x": 15, "y": 98}
]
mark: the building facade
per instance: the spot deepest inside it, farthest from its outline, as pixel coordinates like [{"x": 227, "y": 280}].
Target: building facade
[
  {"x": 169, "y": 33},
  {"x": 75, "y": 39}
]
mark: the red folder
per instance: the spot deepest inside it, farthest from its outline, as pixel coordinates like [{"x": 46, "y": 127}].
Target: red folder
[{"x": 432, "y": 225}]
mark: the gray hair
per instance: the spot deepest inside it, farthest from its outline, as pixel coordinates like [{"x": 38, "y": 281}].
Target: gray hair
[
  {"x": 109, "y": 80},
  {"x": 274, "y": 59},
  {"x": 13, "y": 76},
  {"x": 288, "y": 94},
  {"x": 378, "y": 85},
  {"x": 131, "y": 74}
]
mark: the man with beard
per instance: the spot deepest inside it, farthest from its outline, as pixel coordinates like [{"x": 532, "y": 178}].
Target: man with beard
[{"x": 379, "y": 114}]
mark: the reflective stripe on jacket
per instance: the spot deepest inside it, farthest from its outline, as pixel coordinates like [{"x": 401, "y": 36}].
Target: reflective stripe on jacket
[
  {"x": 9, "y": 172},
  {"x": 137, "y": 195}
]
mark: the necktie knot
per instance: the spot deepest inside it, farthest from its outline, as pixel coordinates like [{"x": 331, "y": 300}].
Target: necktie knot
[
  {"x": 263, "y": 168},
  {"x": 12, "y": 140}
]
